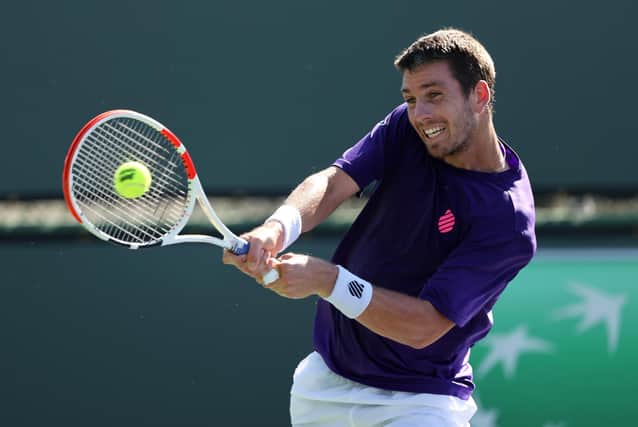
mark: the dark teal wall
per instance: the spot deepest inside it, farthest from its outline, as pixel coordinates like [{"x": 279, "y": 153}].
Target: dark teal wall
[
  {"x": 93, "y": 334},
  {"x": 282, "y": 88}
]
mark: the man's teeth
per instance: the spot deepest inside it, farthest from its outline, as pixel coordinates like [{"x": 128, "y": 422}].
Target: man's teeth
[{"x": 434, "y": 131}]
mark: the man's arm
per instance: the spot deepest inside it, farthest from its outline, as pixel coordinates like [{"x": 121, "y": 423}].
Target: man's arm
[
  {"x": 399, "y": 317},
  {"x": 315, "y": 199},
  {"x": 320, "y": 194},
  {"x": 405, "y": 319}
]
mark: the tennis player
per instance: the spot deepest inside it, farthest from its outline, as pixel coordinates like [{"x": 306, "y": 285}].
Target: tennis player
[{"x": 412, "y": 284}]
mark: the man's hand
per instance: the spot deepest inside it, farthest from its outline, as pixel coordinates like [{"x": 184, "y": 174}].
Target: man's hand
[
  {"x": 301, "y": 276},
  {"x": 265, "y": 242}
]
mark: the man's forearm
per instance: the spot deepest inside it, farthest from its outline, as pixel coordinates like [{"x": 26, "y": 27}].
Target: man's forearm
[
  {"x": 320, "y": 194},
  {"x": 405, "y": 319}
]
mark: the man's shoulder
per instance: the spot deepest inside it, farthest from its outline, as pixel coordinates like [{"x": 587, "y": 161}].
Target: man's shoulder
[{"x": 504, "y": 205}]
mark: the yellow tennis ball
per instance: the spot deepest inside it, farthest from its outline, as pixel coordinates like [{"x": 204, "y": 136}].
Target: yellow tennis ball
[{"x": 131, "y": 180}]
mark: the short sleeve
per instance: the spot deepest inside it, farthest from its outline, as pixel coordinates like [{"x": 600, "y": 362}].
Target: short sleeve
[
  {"x": 369, "y": 158},
  {"x": 477, "y": 271}
]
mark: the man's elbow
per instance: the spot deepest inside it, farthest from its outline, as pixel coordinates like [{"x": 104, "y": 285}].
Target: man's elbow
[
  {"x": 424, "y": 340},
  {"x": 419, "y": 344},
  {"x": 439, "y": 325}
]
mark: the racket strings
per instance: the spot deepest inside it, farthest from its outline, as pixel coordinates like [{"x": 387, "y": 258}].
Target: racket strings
[
  {"x": 114, "y": 211},
  {"x": 144, "y": 219},
  {"x": 90, "y": 188},
  {"x": 104, "y": 169},
  {"x": 108, "y": 209},
  {"x": 149, "y": 157},
  {"x": 120, "y": 141}
]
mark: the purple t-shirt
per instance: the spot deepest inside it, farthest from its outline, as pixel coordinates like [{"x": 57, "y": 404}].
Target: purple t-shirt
[{"x": 451, "y": 236}]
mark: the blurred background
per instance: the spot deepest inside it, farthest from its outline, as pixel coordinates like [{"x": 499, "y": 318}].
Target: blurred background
[{"x": 263, "y": 94}]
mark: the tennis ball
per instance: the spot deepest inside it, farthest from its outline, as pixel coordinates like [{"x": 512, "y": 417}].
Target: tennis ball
[{"x": 131, "y": 180}]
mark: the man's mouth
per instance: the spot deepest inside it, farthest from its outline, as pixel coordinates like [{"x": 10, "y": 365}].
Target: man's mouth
[{"x": 433, "y": 132}]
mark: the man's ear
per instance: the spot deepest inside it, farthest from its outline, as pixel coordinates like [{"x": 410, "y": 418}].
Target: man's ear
[{"x": 482, "y": 95}]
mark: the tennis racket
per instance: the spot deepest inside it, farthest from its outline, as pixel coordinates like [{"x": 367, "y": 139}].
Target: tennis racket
[{"x": 155, "y": 218}]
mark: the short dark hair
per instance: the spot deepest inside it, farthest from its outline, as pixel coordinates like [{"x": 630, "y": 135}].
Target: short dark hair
[{"x": 467, "y": 57}]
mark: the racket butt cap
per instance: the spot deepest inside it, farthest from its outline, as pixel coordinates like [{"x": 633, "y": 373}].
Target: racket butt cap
[{"x": 270, "y": 277}]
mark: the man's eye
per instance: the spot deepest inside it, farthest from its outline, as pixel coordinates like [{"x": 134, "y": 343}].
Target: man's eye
[
  {"x": 435, "y": 95},
  {"x": 411, "y": 101}
]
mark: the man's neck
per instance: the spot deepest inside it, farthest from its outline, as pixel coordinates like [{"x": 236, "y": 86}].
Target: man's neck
[{"x": 483, "y": 154}]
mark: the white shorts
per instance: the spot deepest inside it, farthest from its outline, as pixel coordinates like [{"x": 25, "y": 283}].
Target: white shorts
[{"x": 319, "y": 397}]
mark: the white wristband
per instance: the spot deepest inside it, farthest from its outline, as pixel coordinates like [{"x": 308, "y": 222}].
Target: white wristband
[
  {"x": 351, "y": 294},
  {"x": 290, "y": 219}
]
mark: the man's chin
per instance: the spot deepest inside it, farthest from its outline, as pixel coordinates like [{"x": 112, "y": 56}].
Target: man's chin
[{"x": 436, "y": 151}]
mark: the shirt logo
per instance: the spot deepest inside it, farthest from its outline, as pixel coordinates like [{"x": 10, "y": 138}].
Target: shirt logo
[
  {"x": 446, "y": 222},
  {"x": 355, "y": 288}
]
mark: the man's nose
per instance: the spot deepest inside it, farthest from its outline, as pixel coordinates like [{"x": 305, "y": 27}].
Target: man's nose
[{"x": 422, "y": 111}]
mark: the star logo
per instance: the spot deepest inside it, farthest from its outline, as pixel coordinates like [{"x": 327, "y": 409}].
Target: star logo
[
  {"x": 596, "y": 307},
  {"x": 507, "y": 348}
]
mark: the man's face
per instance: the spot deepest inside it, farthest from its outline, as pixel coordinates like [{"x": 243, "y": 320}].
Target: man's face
[{"x": 438, "y": 109}]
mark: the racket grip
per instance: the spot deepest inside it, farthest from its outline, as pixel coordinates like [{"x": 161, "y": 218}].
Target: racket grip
[
  {"x": 242, "y": 248},
  {"x": 270, "y": 277}
]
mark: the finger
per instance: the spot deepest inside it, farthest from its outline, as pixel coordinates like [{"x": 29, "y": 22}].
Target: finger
[
  {"x": 275, "y": 287},
  {"x": 237, "y": 261},
  {"x": 230, "y": 258},
  {"x": 246, "y": 271},
  {"x": 283, "y": 294},
  {"x": 254, "y": 254},
  {"x": 286, "y": 256},
  {"x": 258, "y": 268},
  {"x": 262, "y": 266},
  {"x": 273, "y": 263}
]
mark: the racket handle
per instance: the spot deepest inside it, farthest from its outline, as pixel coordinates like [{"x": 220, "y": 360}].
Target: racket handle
[
  {"x": 242, "y": 248},
  {"x": 270, "y": 277}
]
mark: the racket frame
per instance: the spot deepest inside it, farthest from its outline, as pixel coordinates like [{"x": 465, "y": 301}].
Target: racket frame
[{"x": 230, "y": 241}]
